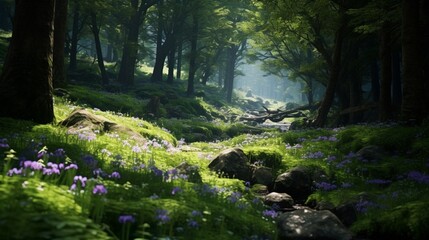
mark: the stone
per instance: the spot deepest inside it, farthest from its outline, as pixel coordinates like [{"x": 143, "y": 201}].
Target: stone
[
  {"x": 280, "y": 200},
  {"x": 309, "y": 224},
  {"x": 191, "y": 171},
  {"x": 232, "y": 163},
  {"x": 346, "y": 213},
  {"x": 262, "y": 175},
  {"x": 296, "y": 182},
  {"x": 81, "y": 121},
  {"x": 371, "y": 153}
]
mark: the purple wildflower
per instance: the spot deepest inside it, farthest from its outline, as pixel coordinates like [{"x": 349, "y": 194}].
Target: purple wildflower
[
  {"x": 71, "y": 166},
  {"x": 176, "y": 190},
  {"x": 363, "y": 206},
  {"x": 73, "y": 187},
  {"x": 325, "y": 186},
  {"x": 234, "y": 197},
  {"x": 418, "y": 177},
  {"x": 136, "y": 149},
  {"x": 3, "y": 143},
  {"x": 115, "y": 175},
  {"x": 378, "y": 181},
  {"x": 126, "y": 219},
  {"x": 192, "y": 223},
  {"x": 270, "y": 213},
  {"x": 80, "y": 179},
  {"x": 99, "y": 190},
  {"x": 315, "y": 155},
  {"x": 14, "y": 171},
  {"x": 196, "y": 213},
  {"x": 162, "y": 216},
  {"x": 59, "y": 153},
  {"x": 346, "y": 185}
]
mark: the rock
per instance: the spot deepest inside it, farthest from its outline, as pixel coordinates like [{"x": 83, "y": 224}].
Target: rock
[
  {"x": 280, "y": 200},
  {"x": 308, "y": 224},
  {"x": 371, "y": 153},
  {"x": 191, "y": 171},
  {"x": 232, "y": 163},
  {"x": 296, "y": 182},
  {"x": 346, "y": 213},
  {"x": 81, "y": 121},
  {"x": 260, "y": 189},
  {"x": 262, "y": 175}
]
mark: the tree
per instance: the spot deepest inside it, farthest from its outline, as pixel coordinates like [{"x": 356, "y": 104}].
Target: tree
[
  {"x": 60, "y": 26},
  {"x": 26, "y": 80},
  {"x": 414, "y": 105},
  {"x": 138, "y": 11}
]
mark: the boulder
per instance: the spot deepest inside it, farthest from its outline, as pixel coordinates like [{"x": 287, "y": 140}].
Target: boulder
[
  {"x": 371, "y": 153},
  {"x": 190, "y": 171},
  {"x": 280, "y": 200},
  {"x": 262, "y": 175},
  {"x": 309, "y": 224},
  {"x": 296, "y": 182},
  {"x": 81, "y": 121},
  {"x": 232, "y": 163},
  {"x": 346, "y": 213}
]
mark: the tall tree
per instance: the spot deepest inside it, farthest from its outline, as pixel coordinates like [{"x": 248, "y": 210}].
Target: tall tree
[
  {"x": 129, "y": 54},
  {"x": 26, "y": 80},
  {"x": 95, "y": 28},
  {"x": 60, "y": 26},
  {"x": 414, "y": 104}
]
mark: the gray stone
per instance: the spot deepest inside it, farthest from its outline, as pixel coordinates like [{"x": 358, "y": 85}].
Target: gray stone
[
  {"x": 281, "y": 200},
  {"x": 262, "y": 175},
  {"x": 296, "y": 183},
  {"x": 305, "y": 224},
  {"x": 232, "y": 163}
]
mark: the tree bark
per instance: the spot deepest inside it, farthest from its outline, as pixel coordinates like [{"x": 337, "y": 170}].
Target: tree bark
[
  {"x": 74, "y": 38},
  {"x": 26, "y": 80},
  {"x": 60, "y": 30},
  {"x": 386, "y": 72},
  {"x": 131, "y": 45},
  {"x": 375, "y": 82},
  {"x": 193, "y": 55},
  {"x": 334, "y": 73},
  {"x": 179, "y": 59},
  {"x": 96, "y": 31},
  {"x": 171, "y": 62},
  {"x": 414, "y": 104}
]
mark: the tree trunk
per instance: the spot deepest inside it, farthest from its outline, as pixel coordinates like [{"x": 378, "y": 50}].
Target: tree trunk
[
  {"x": 414, "y": 104},
  {"x": 375, "y": 82},
  {"x": 386, "y": 72},
  {"x": 396, "y": 82},
  {"x": 171, "y": 63},
  {"x": 179, "y": 59},
  {"x": 96, "y": 31},
  {"x": 193, "y": 55},
  {"x": 60, "y": 29},
  {"x": 74, "y": 39},
  {"x": 129, "y": 54},
  {"x": 334, "y": 73},
  {"x": 230, "y": 71},
  {"x": 26, "y": 80}
]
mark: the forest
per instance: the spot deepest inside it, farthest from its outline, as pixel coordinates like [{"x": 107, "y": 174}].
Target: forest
[{"x": 192, "y": 119}]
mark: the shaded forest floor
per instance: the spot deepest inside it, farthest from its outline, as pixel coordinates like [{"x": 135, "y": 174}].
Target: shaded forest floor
[{"x": 57, "y": 183}]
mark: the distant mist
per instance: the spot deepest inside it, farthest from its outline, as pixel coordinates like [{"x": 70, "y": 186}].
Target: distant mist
[{"x": 267, "y": 86}]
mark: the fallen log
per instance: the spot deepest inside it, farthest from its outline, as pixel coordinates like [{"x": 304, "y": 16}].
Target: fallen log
[{"x": 277, "y": 115}]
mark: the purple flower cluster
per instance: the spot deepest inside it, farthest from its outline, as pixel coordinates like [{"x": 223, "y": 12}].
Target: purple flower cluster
[
  {"x": 176, "y": 190},
  {"x": 326, "y": 138},
  {"x": 162, "y": 216},
  {"x": 270, "y": 213},
  {"x": 126, "y": 219},
  {"x": 379, "y": 181},
  {"x": 99, "y": 189},
  {"x": 315, "y": 155},
  {"x": 418, "y": 177},
  {"x": 296, "y": 146},
  {"x": 78, "y": 181},
  {"x": 325, "y": 186},
  {"x": 3, "y": 143},
  {"x": 47, "y": 170},
  {"x": 363, "y": 206},
  {"x": 234, "y": 197}
]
